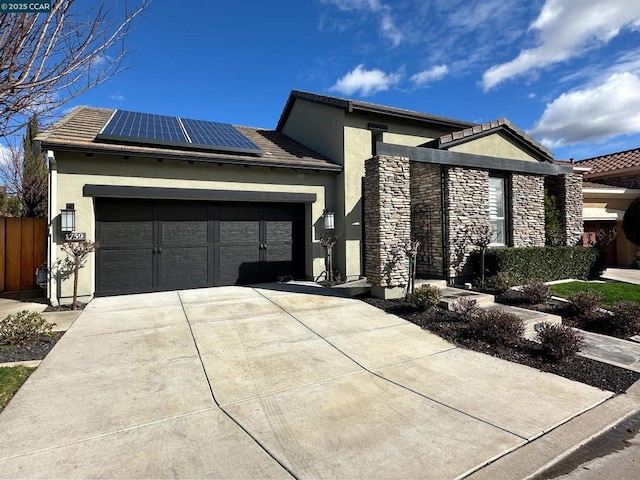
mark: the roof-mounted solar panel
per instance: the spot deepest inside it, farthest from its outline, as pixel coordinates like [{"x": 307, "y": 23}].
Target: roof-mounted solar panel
[
  {"x": 150, "y": 129},
  {"x": 221, "y": 135}
]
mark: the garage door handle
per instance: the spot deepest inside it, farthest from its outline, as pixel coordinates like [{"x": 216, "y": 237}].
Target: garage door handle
[
  {"x": 159, "y": 249},
  {"x": 155, "y": 250}
]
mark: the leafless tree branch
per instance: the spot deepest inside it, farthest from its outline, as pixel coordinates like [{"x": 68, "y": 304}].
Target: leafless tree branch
[{"x": 46, "y": 60}]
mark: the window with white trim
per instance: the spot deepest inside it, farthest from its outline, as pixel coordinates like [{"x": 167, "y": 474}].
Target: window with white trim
[{"x": 497, "y": 211}]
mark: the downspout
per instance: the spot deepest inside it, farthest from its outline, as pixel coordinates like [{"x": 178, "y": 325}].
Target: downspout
[{"x": 52, "y": 284}]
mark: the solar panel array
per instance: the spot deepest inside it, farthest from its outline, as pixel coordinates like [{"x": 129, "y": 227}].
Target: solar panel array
[{"x": 150, "y": 129}]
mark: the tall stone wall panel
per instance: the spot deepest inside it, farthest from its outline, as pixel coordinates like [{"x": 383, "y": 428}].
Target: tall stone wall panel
[
  {"x": 527, "y": 210},
  {"x": 567, "y": 189},
  {"x": 426, "y": 218},
  {"x": 387, "y": 216},
  {"x": 466, "y": 207}
]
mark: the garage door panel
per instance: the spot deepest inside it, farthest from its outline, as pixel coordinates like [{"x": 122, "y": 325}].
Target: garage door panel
[
  {"x": 239, "y": 264},
  {"x": 128, "y": 270},
  {"x": 243, "y": 232},
  {"x": 183, "y": 267},
  {"x": 120, "y": 234},
  {"x": 279, "y": 232},
  {"x": 279, "y": 253},
  {"x": 194, "y": 232}
]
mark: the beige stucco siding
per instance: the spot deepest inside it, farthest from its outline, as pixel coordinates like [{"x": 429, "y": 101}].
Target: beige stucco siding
[
  {"x": 318, "y": 127},
  {"x": 76, "y": 171},
  {"x": 494, "y": 145}
]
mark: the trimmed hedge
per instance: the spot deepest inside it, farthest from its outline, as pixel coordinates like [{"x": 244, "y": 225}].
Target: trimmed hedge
[{"x": 541, "y": 263}]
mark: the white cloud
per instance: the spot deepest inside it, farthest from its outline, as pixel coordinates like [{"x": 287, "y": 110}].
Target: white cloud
[
  {"x": 117, "y": 96},
  {"x": 388, "y": 26},
  {"x": 592, "y": 114},
  {"x": 566, "y": 29},
  {"x": 430, "y": 75},
  {"x": 366, "y": 82},
  {"x": 5, "y": 154}
]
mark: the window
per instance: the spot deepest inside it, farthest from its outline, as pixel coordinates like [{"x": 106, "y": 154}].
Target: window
[{"x": 497, "y": 209}]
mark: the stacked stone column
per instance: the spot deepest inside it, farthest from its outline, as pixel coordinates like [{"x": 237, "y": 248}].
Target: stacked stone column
[
  {"x": 387, "y": 217},
  {"x": 567, "y": 189},
  {"x": 527, "y": 210}
]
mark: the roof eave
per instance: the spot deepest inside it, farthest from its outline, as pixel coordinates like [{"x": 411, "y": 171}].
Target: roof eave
[{"x": 187, "y": 158}]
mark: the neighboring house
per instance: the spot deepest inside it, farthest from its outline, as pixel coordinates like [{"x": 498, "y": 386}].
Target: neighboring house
[
  {"x": 611, "y": 182},
  {"x": 180, "y": 209}
]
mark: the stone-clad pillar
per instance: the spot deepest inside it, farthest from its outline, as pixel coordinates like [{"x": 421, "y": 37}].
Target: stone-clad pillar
[
  {"x": 527, "y": 210},
  {"x": 567, "y": 189},
  {"x": 387, "y": 217}
]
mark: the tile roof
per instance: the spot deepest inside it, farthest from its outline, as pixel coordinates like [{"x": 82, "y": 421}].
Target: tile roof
[
  {"x": 478, "y": 131},
  {"x": 357, "y": 105},
  {"x": 606, "y": 164},
  {"x": 77, "y": 131}
]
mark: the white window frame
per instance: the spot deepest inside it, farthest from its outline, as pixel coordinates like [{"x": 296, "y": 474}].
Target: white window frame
[{"x": 498, "y": 184}]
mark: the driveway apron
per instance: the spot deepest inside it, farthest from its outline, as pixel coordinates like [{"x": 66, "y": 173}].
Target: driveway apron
[{"x": 270, "y": 382}]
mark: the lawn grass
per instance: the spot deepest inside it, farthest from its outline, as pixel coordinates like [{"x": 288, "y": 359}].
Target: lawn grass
[
  {"x": 11, "y": 379},
  {"x": 611, "y": 292}
]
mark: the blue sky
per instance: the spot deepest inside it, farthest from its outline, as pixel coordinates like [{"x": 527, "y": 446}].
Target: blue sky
[{"x": 566, "y": 71}]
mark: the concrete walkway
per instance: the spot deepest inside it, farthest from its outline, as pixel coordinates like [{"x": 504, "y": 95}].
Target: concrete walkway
[
  {"x": 629, "y": 275},
  {"x": 280, "y": 381}
]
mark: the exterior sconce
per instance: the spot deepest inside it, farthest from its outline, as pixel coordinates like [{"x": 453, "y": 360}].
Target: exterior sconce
[
  {"x": 68, "y": 218},
  {"x": 329, "y": 220}
]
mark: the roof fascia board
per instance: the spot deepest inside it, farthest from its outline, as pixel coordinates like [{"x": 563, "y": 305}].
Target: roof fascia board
[
  {"x": 610, "y": 192},
  {"x": 469, "y": 160},
  {"x": 119, "y": 191},
  {"x": 408, "y": 115},
  {"x": 614, "y": 173},
  {"x": 187, "y": 158}
]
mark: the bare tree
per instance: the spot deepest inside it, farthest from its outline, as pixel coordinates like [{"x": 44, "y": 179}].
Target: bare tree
[
  {"x": 48, "y": 59},
  {"x": 24, "y": 174},
  {"x": 77, "y": 254}
]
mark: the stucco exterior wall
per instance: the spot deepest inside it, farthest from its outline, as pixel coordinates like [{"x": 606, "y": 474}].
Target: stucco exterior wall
[
  {"x": 77, "y": 170},
  {"x": 494, "y": 145},
  {"x": 527, "y": 210}
]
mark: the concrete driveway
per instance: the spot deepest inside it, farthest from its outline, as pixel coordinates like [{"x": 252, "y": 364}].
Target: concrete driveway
[{"x": 270, "y": 382}]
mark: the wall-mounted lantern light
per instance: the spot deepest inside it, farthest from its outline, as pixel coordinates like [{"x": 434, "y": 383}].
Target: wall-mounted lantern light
[
  {"x": 329, "y": 220},
  {"x": 68, "y": 218}
]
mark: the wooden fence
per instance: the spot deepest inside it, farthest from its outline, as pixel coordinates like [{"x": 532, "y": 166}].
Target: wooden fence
[{"x": 23, "y": 248}]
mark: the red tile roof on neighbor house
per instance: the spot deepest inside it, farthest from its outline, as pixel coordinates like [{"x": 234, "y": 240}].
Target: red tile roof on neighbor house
[
  {"x": 613, "y": 163},
  {"x": 77, "y": 131},
  {"x": 477, "y": 131}
]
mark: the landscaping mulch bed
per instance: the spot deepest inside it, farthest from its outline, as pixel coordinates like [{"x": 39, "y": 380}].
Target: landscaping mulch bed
[
  {"x": 448, "y": 326},
  {"x": 37, "y": 351}
]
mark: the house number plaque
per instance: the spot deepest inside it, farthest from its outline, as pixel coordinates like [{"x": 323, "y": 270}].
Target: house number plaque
[{"x": 75, "y": 237}]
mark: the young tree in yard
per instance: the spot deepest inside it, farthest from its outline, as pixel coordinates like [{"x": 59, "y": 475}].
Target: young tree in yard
[
  {"x": 46, "y": 59},
  {"x": 480, "y": 237},
  {"x": 77, "y": 252},
  {"x": 24, "y": 174},
  {"x": 554, "y": 235}
]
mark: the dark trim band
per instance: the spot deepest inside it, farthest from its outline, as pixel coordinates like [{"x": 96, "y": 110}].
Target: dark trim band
[
  {"x": 116, "y": 191},
  {"x": 469, "y": 160}
]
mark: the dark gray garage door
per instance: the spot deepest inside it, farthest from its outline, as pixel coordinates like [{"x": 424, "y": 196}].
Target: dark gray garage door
[{"x": 149, "y": 245}]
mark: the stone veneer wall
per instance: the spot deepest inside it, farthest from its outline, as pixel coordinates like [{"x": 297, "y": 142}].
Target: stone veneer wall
[
  {"x": 527, "y": 210},
  {"x": 387, "y": 217},
  {"x": 466, "y": 206},
  {"x": 426, "y": 218},
  {"x": 568, "y": 191}
]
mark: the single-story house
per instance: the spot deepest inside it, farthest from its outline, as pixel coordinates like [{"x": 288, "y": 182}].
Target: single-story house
[
  {"x": 181, "y": 203},
  {"x": 611, "y": 183}
]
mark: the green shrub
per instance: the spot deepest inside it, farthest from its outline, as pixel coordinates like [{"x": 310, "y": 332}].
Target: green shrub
[
  {"x": 425, "y": 297},
  {"x": 497, "y": 327},
  {"x": 543, "y": 263},
  {"x": 559, "y": 341},
  {"x": 585, "y": 304},
  {"x": 23, "y": 328},
  {"x": 465, "y": 307},
  {"x": 535, "y": 292},
  {"x": 501, "y": 282},
  {"x": 626, "y": 318}
]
